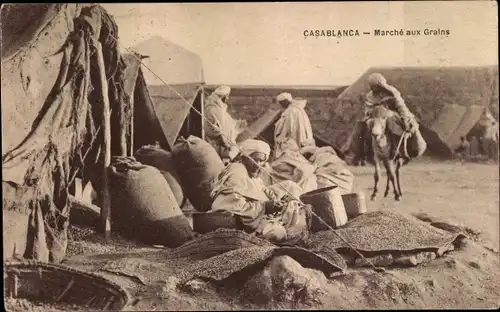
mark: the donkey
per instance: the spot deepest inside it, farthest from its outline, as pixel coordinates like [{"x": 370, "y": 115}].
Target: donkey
[{"x": 387, "y": 147}]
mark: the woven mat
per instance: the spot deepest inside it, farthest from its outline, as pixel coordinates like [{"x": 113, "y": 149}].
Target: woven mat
[
  {"x": 220, "y": 267},
  {"x": 214, "y": 256},
  {"x": 385, "y": 232}
]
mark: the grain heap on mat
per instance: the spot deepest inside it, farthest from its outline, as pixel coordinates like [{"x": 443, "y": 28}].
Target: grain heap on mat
[
  {"x": 222, "y": 266},
  {"x": 384, "y": 232},
  {"x": 215, "y": 256}
]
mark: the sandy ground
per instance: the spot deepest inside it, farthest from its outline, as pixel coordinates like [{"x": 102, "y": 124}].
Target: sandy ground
[{"x": 464, "y": 194}]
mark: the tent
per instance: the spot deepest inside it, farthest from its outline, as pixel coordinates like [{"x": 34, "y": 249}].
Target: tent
[
  {"x": 177, "y": 95},
  {"x": 178, "y": 109},
  {"x": 54, "y": 77},
  {"x": 447, "y": 101},
  {"x": 172, "y": 63}
]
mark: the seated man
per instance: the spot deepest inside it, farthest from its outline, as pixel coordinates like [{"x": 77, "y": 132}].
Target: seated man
[{"x": 269, "y": 212}]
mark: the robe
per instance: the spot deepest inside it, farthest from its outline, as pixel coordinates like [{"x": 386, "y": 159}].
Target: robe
[
  {"x": 244, "y": 196},
  {"x": 221, "y": 129},
  {"x": 293, "y": 124}
]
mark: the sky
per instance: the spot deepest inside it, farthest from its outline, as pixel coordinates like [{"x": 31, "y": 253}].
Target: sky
[{"x": 264, "y": 43}]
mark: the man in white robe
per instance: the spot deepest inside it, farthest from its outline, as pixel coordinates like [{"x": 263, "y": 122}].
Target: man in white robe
[
  {"x": 221, "y": 130},
  {"x": 269, "y": 212},
  {"x": 293, "y": 124}
]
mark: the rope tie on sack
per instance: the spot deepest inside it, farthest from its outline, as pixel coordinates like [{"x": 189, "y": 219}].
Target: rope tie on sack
[{"x": 376, "y": 269}]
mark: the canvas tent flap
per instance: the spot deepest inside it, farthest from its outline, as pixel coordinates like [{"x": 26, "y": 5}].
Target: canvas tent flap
[
  {"x": 448, "y": 120},
  {"x": 469, "y": 119},
  {"x": 455, "y": 121},
  {"x": 30, "y": 64},
  {"x": 133, "y": 64},
  {"x": 147, "y": 125},
  {"x": 265, "y": 121},
  {"x": 172, "y": 105},
  {"x": 22, "y": 24}
]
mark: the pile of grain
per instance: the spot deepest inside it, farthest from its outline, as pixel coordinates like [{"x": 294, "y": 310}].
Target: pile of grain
[
  {"x": 87, "y": 240},
  {"x": 383, "y": 231},
  {"x": 15, "y": 304}
]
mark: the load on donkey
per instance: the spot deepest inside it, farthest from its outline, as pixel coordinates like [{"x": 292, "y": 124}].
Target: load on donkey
[
  {"x": 389, "y": 133},
  {"x": 62, "y": 100}
]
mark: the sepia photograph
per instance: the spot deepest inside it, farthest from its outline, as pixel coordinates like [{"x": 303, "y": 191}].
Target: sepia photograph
[{"x": 250, "y": 156}]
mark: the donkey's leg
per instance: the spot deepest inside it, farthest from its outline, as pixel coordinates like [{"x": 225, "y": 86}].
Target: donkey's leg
[
  {"x": 376, "y": 176},
  {"x": 398, "y": 167},
  {"x": 388, "y": 180},
  {"x": 391, "y": 172}
]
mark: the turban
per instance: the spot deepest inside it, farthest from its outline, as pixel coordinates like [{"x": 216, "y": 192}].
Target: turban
[
  {"x": 222, "y": 91},
  {"x": 377, "y": 79},
  {"x": 255, "y": 146},
  {"x": 284, "y": 96}
]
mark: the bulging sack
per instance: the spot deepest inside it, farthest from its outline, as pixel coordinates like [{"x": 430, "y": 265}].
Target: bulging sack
[
  {"x": 162, "y": 160},
  {"x": 143, "y": 205},
  {"x": 198, "y": 165}
]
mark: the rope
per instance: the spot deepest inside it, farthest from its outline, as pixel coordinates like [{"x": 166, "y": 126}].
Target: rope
[
  {"x": 397, "y": 148},
  {"x": 376, "y": 269}
]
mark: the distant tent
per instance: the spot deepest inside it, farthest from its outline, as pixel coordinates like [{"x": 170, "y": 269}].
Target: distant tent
[
  {"x": 171, "y": 62},
  {"x": 177, "y": 95},
  {"x": 448, "y": 101}
]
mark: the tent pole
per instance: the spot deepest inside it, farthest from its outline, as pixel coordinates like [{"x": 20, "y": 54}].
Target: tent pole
[
  {"x": 105, "y": 203},
  {"x": 132, "y": 106},
  {"x": 202, "y": 108}
]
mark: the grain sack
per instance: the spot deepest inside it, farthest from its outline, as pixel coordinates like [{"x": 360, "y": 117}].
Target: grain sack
[
  {"x": 328, "y": 205},
  {"x": 162, "y": 160},
  {"x": 416, "y": 145},
  {"x": 293, "y": 166},
  {"x": 143, "y": 206},
  {"x": 331, "y": 170},
  {"x": 198, "y": 165}
]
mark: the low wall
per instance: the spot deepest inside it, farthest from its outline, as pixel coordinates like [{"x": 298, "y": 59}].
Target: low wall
[{"x": 250, "y": 103}]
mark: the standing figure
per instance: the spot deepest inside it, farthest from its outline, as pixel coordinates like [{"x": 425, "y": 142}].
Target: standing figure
[
  {"x": 221, "y": 130},
  {"x": 294, "y": 124}
]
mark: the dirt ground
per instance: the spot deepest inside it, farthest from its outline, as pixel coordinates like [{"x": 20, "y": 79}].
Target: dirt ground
[{"x": 464, "y": 194}]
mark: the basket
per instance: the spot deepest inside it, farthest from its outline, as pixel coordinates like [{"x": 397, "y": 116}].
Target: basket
[
  {"x": 355, "y": 204},
  {"x": 205, "y": 222},
  {"x": 52, "y": 284}
]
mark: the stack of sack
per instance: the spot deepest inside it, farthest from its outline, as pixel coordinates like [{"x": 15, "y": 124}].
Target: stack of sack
[
  {"x": 198, "y": 165},
  {"x": 311, "y": 167},
  {"x": 143, "y": 206},
  {"x": 153, "y": 155}
]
